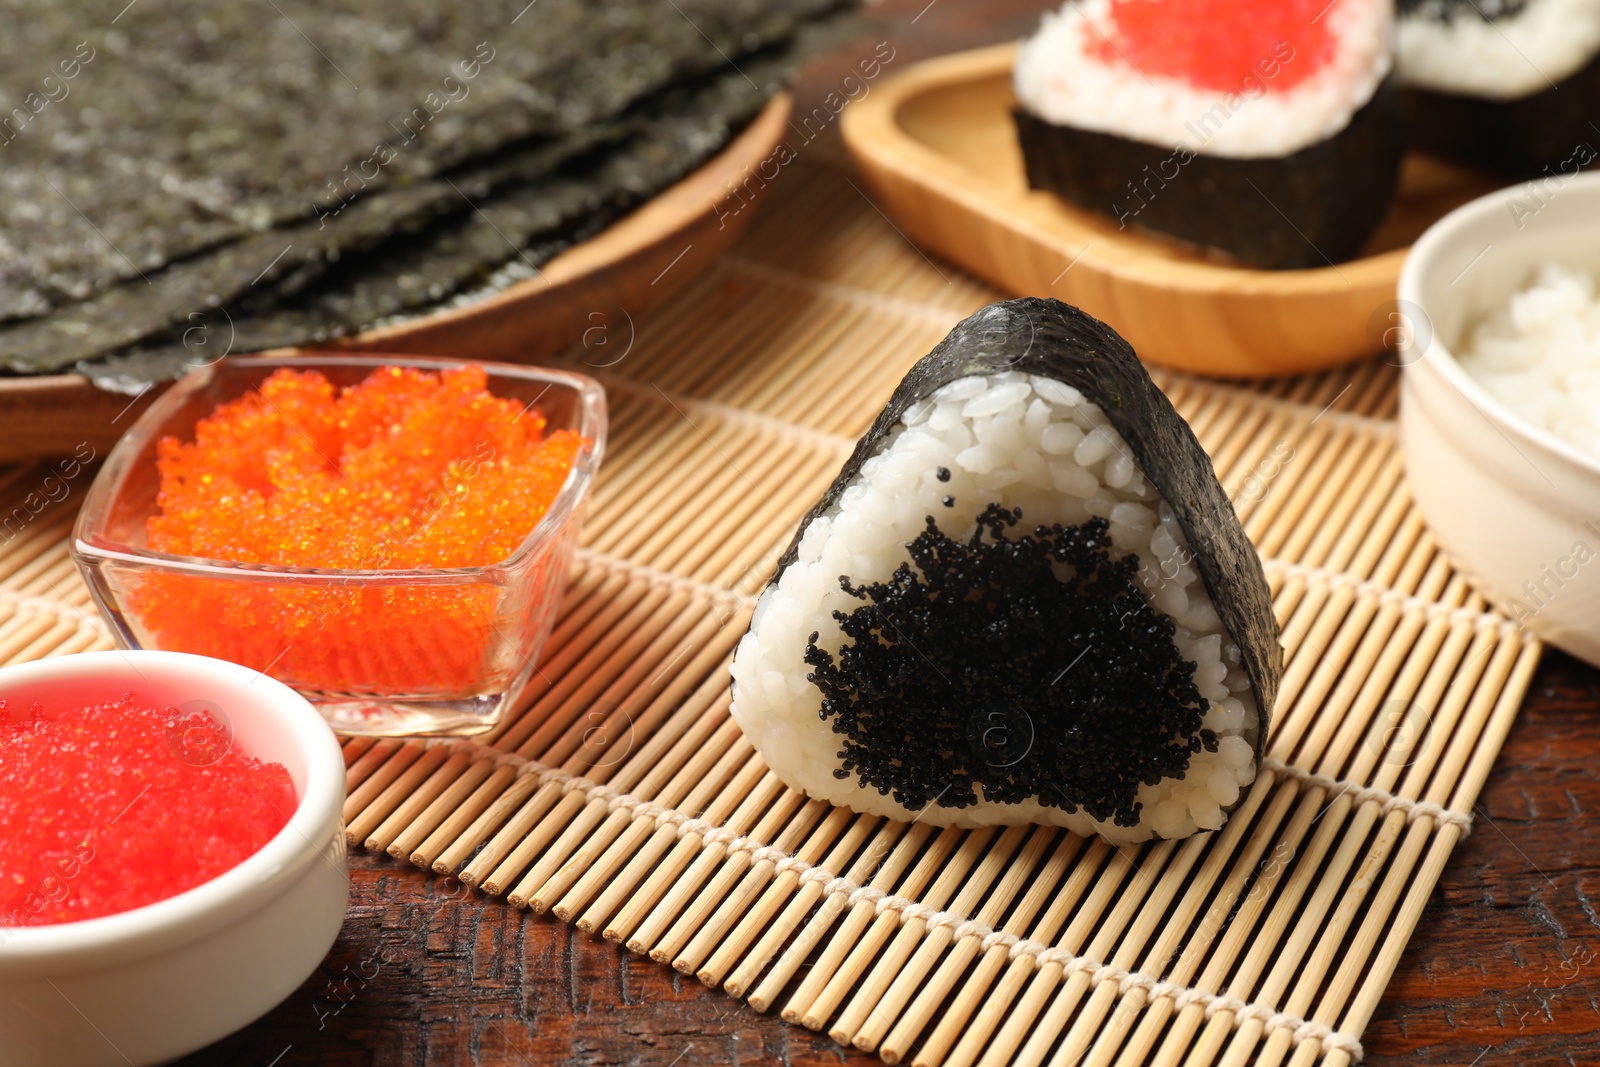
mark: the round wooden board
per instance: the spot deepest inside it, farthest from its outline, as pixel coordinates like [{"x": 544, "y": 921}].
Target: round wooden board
[
  {"x": 939, "y": 148},
  {"x": 593, "y": 289}
]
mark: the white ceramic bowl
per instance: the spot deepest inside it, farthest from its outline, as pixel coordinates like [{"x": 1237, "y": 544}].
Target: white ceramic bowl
[
  {"x": 148, "y": 985},
  {"x": 1516, "y": 508}
]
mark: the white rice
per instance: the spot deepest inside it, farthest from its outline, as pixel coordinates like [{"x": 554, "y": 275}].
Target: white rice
[
  {"x": 1022, "y": 441},
  {"x": 1509, "y": 57},
  {"x": 1058, "y": 79},
  {"x": 1540, "y": 356}
]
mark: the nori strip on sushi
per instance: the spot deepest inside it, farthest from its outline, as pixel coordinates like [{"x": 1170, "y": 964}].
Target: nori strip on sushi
[
  {"x": 1312, "y": 208},
  {"x": 975, "y": 640},
  {"x": 1551, "y": 132}
]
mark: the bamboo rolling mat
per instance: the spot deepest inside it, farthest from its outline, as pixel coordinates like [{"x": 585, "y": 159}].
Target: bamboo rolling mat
[{"x": 625, "y": 799}]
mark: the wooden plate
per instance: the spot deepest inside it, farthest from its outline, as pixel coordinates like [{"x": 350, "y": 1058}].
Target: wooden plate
[
  {"x": 591, "y": 292},
  {"x": 938, "y": 147}
]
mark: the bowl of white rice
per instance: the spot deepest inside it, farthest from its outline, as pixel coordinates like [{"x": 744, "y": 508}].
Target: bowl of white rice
[{"x": 1499, "y": 331}]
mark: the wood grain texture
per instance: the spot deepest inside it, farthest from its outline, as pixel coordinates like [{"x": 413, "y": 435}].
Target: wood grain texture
[
  {"x": 52, "y": 415},
  {"x": 938, "y": 147}
]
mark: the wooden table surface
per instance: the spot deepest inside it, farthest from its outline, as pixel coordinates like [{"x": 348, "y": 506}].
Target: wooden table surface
[{"x": 1504, "y": 968}]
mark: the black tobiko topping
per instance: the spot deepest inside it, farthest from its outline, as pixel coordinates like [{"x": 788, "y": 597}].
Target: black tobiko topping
[
  {"x": 1049, "y": 339},
  {"x": 943, "y": 474},
  {"x": 949, "y": 501},
  {"x": 1030, "y": 665}
]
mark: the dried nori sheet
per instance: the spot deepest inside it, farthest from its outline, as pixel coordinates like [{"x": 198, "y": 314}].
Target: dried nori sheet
[
  {"x": 138, "y": 309},
  {"x": 530, "y": 222},
  {"x": 1055, "y": 340},
  {"x": 466, "y": 186},
  {"x": 1312, "y": 208},
  {"x": 265, "y": 268},
  {"x": 189, "y": 125}
]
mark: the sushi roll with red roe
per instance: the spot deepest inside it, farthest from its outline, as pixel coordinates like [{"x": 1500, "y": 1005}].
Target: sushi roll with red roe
[
  {"x": 1025, "y": 599},
  {"x": 1511, "y": 86},
  {"x": 1266, "y": 129}
]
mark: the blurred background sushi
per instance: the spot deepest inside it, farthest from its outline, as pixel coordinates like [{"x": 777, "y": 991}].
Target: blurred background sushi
[
  {"x": 1509, "y": 85},
  {"x": 1281, "y": 116}
]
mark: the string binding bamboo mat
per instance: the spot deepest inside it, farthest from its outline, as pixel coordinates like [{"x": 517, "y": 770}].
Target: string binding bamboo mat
[{"x": 626, "y": 801}]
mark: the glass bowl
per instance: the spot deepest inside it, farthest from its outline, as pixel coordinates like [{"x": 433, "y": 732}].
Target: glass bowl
[{"x": 437, "y": 651}]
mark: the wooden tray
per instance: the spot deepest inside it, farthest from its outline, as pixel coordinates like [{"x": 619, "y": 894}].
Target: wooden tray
[
  {"x": 593, "y": 288},
  {"x": 939, "y": 150}
]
